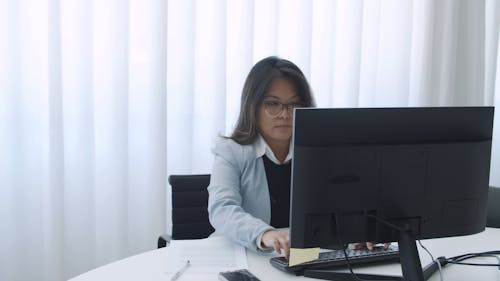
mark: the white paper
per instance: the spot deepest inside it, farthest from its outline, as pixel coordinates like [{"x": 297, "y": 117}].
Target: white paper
[{"x": 207, "y": 257}]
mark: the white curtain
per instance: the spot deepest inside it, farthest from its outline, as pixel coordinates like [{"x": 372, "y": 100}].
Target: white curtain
[{"x": 101, "y": 100}]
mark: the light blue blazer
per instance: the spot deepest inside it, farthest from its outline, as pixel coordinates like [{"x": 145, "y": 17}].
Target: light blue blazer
[{"x": 238, "y": 203}]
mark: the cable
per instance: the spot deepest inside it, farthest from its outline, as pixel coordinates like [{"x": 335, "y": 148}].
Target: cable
[
  {"x": 453, "y": 260},
  {"x": 459, "y": 259},
  {"x": 434, "y": 260},
  {"x": 346, "y": 257},
  {"x": 471, "y": 255},
  {"x": 350, "y": 268},
  {"x": 474, "y": 264},
  {"x": 421, "y": 245}
]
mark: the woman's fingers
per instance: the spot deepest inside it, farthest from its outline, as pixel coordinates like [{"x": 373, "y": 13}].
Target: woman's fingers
[
  {"x": 368, "y": 245},
  {"x": 281, "y": 245},
  {"x": 357, "y": 246},
  {"x": 278, "y": 240},
  {"x": 285, "y": 245},
  {"x": 277, "y": 246}
]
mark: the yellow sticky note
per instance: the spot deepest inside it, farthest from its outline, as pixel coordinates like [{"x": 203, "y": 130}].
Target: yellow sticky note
[{"x": 298, "y": 256}]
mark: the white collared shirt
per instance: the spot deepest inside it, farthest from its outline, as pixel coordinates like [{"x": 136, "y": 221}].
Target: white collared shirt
[{"x": 261, "y": 148}]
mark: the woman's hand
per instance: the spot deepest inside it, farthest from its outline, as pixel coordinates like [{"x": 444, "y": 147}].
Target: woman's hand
[
  {"x": 368, "y": 245},
  {"x": 278, "y": 240}
]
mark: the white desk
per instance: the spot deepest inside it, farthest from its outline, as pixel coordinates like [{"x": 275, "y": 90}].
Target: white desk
[{"x": 150, "y": 265}]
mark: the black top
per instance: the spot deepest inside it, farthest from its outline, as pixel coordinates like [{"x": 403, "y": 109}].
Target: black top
[{"x": 278, "y": 180}]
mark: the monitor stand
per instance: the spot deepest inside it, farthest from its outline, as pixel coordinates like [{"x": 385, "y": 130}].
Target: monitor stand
[{"x": 410, "y": 265}]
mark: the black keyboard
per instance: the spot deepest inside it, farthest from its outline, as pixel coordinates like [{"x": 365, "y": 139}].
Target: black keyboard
[{"x": 335, "y": 258}]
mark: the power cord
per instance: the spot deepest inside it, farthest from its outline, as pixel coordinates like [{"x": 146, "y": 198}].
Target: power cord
[
  {"x": 346, "y": 257},
  {"x": 434, "y": 260},
  {"x": 419, "y": 242},
  {"x": 459, "y": 260},
  {"x": 453, "y": 260}
]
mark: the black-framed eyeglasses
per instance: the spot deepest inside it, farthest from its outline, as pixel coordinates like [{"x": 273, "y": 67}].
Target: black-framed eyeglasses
[{"x": 274, "y": 108}]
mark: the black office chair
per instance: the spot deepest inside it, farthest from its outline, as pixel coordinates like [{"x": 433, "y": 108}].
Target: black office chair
[
  {"x": 493, "y": 214},
  {"x": 189, "y": 208}
]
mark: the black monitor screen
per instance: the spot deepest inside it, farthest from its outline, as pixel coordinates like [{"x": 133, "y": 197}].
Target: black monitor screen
[{"x": 424, "y": 169}]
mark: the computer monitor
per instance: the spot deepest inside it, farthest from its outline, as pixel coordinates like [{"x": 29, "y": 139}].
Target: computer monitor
[{"x": 355, "y": 171}]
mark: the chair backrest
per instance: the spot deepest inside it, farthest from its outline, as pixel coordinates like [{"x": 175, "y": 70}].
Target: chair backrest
[
  {"x": 493, "y": 217},
  {"x": 189, "y": 206}
]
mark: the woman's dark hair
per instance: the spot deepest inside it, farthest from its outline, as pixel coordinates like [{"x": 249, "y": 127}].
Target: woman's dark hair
[{"x": 258, "y": 81}]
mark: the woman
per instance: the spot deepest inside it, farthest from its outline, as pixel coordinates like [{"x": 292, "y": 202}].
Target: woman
[{"x": 249, "y": 190}]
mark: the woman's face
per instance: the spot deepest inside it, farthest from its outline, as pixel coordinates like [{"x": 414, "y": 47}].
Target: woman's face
[{"x": 274, "y": 120}]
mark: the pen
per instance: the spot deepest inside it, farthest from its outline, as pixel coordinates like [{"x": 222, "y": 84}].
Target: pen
[{"x": 181, "y": 271}]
